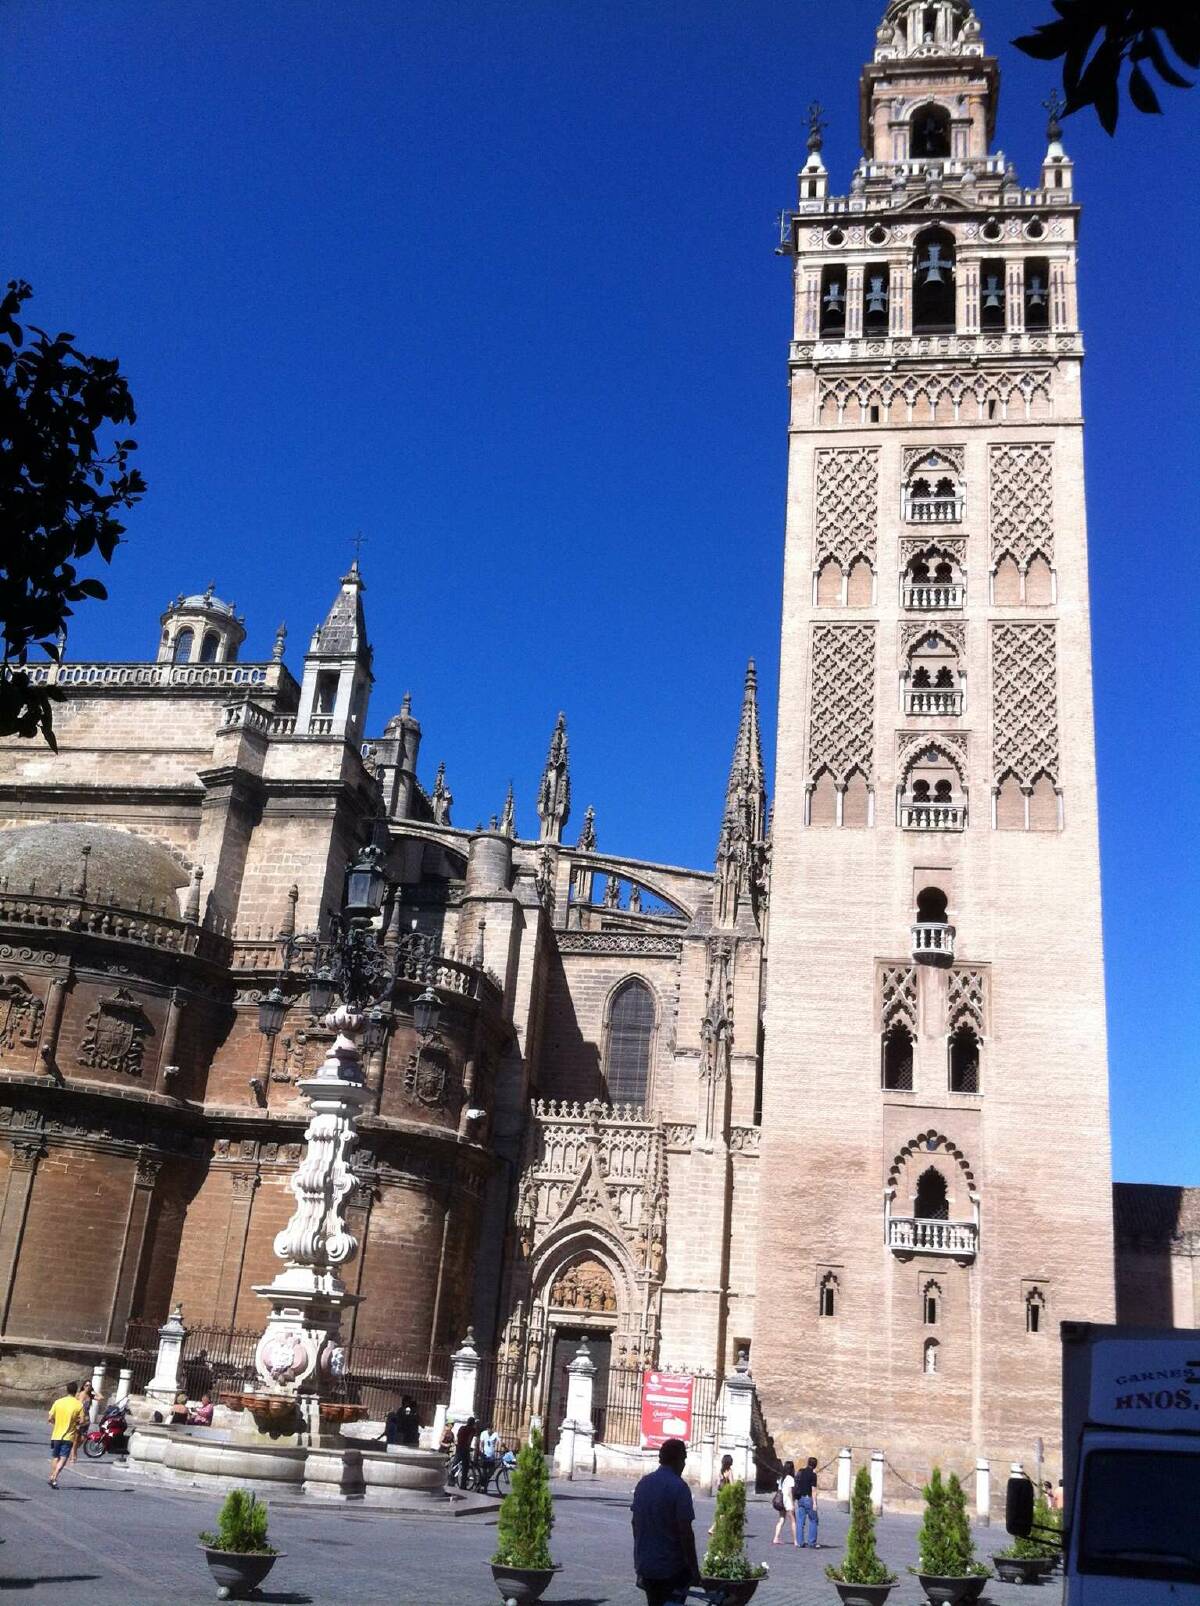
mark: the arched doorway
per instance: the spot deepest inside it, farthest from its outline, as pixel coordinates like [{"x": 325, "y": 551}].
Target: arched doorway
[{"x": 582, "y": 1304}]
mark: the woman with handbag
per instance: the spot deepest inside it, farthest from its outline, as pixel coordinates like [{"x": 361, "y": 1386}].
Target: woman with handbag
[{"x": 784, "y": 1502}]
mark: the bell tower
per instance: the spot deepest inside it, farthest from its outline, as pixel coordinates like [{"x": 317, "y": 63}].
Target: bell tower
[{"x": 935, "y": 1178}]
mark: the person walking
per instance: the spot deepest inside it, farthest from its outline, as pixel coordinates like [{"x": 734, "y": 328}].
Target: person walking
[
  {"x": 65, "y": 1416},
  {"x": 785, "y": 1502},
  {"x": 664, "y": 1545},
  {"x": 806, "y": 1501},
  {"x": 86, "y": 1394},
  {"x": 723, "y": 1477},
  {"x": 463, "y": 1441}
]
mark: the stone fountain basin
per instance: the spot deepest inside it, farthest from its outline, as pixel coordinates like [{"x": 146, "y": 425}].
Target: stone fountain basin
[{"x": 214, "y": 1458}]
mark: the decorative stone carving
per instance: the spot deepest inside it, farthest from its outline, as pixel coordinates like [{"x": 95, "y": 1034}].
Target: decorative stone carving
[
  {"x": 847, "y": 505},
  {"x": 21, "y": 1014},
  {"x": 587, "y": 1285},
  {"x": 898, "y": 997},
  {"x": 954, "y": 396},
  {"x": 618, "y": 942},
  {"x": 244, "y": 1184},
  {"x": 744, "y": 1139},
  {"x": 841, "y": 716},
  {"x": 966, "y": 999},
  {"x": 679, "y": 1134},
  {"x": 1021, "y": 502},
  {"x": 148, "y": 1167},
  {"x": 26, "y": 1152},
  {"x": 115, "y": 1035},
  {"x": 428, "y": 1074},
  {"x": 1024, "y": 702}
]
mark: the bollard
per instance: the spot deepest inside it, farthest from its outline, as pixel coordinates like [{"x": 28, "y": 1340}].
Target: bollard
[
  {"x": 843, "y": 1478},
  {"x": 877, "y": 1481},
  {"x": 983, "y": 1494},
  {"x": 99, "y": 1373},
  {"x": 124, "y": 1384}
]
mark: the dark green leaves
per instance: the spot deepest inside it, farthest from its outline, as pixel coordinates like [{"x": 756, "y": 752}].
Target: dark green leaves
[
  {"x": 1096, "y": 37},
  {"x": 62, "y": 485}
]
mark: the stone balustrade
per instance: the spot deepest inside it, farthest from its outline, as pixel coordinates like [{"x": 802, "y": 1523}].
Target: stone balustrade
[
  {"x": 934, "y": 700},
  {"x": 933, "y": 509},
  {"x": 152, "y": 927},
  {"x": 173, "y": 676},
  {"x": 932, "y": 938},
  {"x": 918, "y": 1235},
  {"x": 933, "y": 816},
  {"x": 924, "y": 597},
  {"x": 320, "y": 724}
]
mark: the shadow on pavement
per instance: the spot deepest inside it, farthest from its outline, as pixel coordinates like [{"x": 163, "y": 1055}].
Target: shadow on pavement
[
  {"x": 49, "y": 1578},
  {"x": 287, "y": 1598}
]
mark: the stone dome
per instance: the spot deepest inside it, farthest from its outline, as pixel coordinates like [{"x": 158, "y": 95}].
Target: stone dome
[{"x": 121, "y": 866}]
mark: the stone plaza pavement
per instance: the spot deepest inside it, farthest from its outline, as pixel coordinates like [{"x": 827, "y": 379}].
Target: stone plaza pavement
[{"x": 108, "y": 1540}]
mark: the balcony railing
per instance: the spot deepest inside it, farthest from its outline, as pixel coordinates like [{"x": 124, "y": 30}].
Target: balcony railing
[
  {"x": 933, "y": 816},
  {"x": 926, "y": 597},
  {"x": 101, "y": 675},
  {"x": 934, "y": 700},
  {"x": 933, "y": 509},
  {"x": 932, "y": 939},
  {"x": 917, "y": 1235}
]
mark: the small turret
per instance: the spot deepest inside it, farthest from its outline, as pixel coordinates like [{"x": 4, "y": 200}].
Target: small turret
[
  {"x": 396, "y": 755},
  {"x": 554, "y": 794},
  {"x": 814, "y": 178},
  {"x": 1057, "y": 167},
  {"x": 337, "y": 668},
  {"x": 200, "y": 629},
  {"x": 741, "y": 845}
]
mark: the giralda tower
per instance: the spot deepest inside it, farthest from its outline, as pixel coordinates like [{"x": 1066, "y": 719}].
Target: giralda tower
[{"x": 936, "y": 1192}]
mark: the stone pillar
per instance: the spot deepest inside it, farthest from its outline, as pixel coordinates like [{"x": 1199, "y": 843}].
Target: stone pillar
[
  {"x": 124, "y": 1384},
  {"x": 243, "y": 1185},
  {"x": 575, "y": 1441},
  {"x": 26, "y": 1152},
  {"x": 164, "y": 1385},
  {"x": 737, "y": 1412},
  {"x": 877, "y": 1481},
  {"x": 983, "y": 1494},
  {"x": 145, "y": 1176},
  {"x": 844, "y": 1478},
  {"x": 99, "y": 1373},
  {"x": 463, "y": 1378},
  {"x": 708, "y": 1465}
]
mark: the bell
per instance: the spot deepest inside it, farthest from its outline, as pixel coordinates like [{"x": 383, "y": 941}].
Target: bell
[
  {"x": 835, "y": 301},
  {"x": 1035, "y": 292},
  {"x": 935, "y": 265},
  {"x": 993, "y": 292},
  {"x": 877, "y": 296}
]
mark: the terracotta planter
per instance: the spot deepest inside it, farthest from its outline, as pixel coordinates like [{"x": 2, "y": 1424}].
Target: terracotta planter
[
  {"x": 1019, "y": 1569},
  {"x": 863, "y": 1594},
  {"x": 945, "y": 1591},
  {"x": 238, "y": 1573},
  {"x": 520, "y": 1584},
  {"x": 341, "y": 1411},
  {"x": 730, "y": 1591}
]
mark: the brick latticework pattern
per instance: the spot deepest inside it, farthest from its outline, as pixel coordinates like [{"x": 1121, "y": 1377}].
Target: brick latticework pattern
[
  {"x": 1024, "y": 702},
  {"x": 847, "y": 505},
  {"x": 898, "y": 997},
  {"x": 965, "y": 999},
  {"x": 841, "y": 719},
  {"x": 1021, "y": 502}
]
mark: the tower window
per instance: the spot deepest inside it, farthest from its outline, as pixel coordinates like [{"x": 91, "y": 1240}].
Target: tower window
[
  {"x": 182, "y": 651},
  {"x": 630, "y": 1030},
  {"x": 827, "y": 1295},
  {"x": 931, "y": 1297},
  {"x": 964, "y": 1061},
  {"x": 930, "y": 133},
  {"x": 875, "y": 298},
  {"x": 898, "y": 1058},
  {"x": 326, "y": 695},
  {"x": 931, "y": 905},
  {"x": 932, "y": 1202},
  {"x": 1037, "y": 293},
  {"x": 1035, "y": 1311},
  {"x": 209, "y": 647},
  {"x": 991, "y": 293},
  {"x": 833, "y": 303},
  {"x": 933, "y": 282}
]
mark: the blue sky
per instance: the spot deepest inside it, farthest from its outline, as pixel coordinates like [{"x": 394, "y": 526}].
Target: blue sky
[{"x": 494, "y": 283}]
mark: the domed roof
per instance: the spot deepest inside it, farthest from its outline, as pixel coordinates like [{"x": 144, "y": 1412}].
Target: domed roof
[{"x": 120, "y": 866}]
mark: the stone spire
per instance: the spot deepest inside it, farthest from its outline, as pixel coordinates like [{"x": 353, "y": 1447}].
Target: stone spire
[
  {"x": 740, "y": 848},
  {"x": 508, "y": 819},
  {"x": 441, "y": 798},
  {"x": 587, "y": 837},
  {"x": 554, "y": 794}
]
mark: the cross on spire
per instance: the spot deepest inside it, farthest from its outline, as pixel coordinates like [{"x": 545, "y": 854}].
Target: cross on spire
[{"x": 816, "y": 125}]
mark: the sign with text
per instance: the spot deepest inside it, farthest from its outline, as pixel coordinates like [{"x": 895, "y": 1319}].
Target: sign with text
[
  {"x": 1146, "y": 1383},
  {"x": 666, "y": 1408}
]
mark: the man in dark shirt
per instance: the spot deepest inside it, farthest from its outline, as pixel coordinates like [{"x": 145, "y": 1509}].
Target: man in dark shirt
[
  {"x": 664, "y": 1546},
  {"x": 806, "y": 1502}
]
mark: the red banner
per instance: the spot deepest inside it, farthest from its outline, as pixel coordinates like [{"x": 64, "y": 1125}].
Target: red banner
[{"x": 666, "y": 1408}]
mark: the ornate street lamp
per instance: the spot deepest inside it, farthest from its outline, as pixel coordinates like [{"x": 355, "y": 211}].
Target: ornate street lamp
[
  {"x": 427, "y": 1011},
  {"x": 271, "y": 1012}
]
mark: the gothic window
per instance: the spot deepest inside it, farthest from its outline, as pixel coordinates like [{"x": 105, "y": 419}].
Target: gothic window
[
  {"x": 182, "y": 651},
  {"x": 630, "y": 1033},
  {"x": 964, "y": 1060},
  {"x": 930, "y": 133},
  {"x": 932, "y": 1202},
  {"x": 827, "y": 1295},
  {"x": 1043, "y": 805},
  {"x": 859, "y": 584},
  {"x": 829, "y": 584},
  {"x": 1037, "y": 293},
  {"x": 1035, "y": 1310},
  {"x": 823, "y": 803},
  {"x": 933, "y": 282},
  {"x": 1010, "y": 805},
  {"x": 992, "y": 306},
  {"x": 932, "y": 796},
  {"x": 1039, "y": 583},
  {"x": 856, "y": 800},
  {"x": 898, "y": 1059},
  {"x": 876, "y": 294},
  {"x": 929, "y": 1356},
  {"x": 1006, "y": 584},
  {"x": 933, "y": 487},
  {"x": 931, "y": 1303},
  {"x": 833, "y": 303},
  {"x": 209, "y": 647}
]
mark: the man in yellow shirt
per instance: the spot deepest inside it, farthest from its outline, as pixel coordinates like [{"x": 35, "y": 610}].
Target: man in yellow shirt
[{"x": 65, "y": 1417}]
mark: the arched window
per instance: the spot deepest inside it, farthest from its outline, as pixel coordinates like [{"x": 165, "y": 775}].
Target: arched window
[
  {"x": 856, "y": 800},
  {"x": 1039, "y": 583},
  {"x": 1010, "y": 805},
  {"x": 1037, "y": 293},
  {"x": 932, "y": 1202},
  {"x": 992, "y": 313},
  {"x": 933, "y": 282},
  {"x": 829, "y": 584},
  {"x": 209, "y": 647},
  {"x": 822, "y": 807},
  {"x": 827, "y": 1295},
  {"x": 833, "y": 303},
  {"x": 964, "y": 1060},
  {"x": 630, "y": 1031},
  {"x": 1043, "y": 805},
  {"x": 1035, "y": 1310},
  {"x": 876, "y": 291},
  {"x": 930, "y": 133},
  {"x": 1006, "y": 584},
  {"x": 931, "y": 906},
  {"x": 326, "y": 695},
  {"x": 898, "y": 1058},
  {"x": 182, "y": 651},
  {"x": 858, "y": 585},
  {"x": 931, "y": 1303}
]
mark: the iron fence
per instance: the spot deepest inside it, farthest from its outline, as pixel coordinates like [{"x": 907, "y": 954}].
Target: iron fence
[{"x": 619, "y": 1419}]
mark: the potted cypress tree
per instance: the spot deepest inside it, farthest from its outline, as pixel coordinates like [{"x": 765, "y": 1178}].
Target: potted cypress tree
[
  {"x": 726, "y": 1569},
  {"x": 1028, "y": 1560},
  {"x": 861, "y": 1579},
  {"x": 238, "y": 1554},
  {"x": 945, "y": 1568},
  {"x": 522, "y": 1566},
  {"x": 977, "y": 1572}
]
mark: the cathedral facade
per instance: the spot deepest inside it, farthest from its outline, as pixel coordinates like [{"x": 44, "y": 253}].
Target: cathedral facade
[{"x": 611, "y": 1132}]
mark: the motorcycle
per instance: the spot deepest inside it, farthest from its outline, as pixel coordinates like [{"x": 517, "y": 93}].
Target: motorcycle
[{"x": 110, "y": 1435}]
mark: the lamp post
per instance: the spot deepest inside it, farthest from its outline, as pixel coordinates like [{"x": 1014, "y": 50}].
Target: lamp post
[{"x": 295, "y": 1356}]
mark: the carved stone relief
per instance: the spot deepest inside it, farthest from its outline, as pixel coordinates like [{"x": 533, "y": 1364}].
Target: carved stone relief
[
  {"x": 841, "y": 718},
  {"x": 21, "y": 1014},
  {"x": 115, "y": 1035},
  {"x": 1024, "y": 702},
  {"x": 1021, "y": 501},
  {"x": 847, "y": 505}
]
